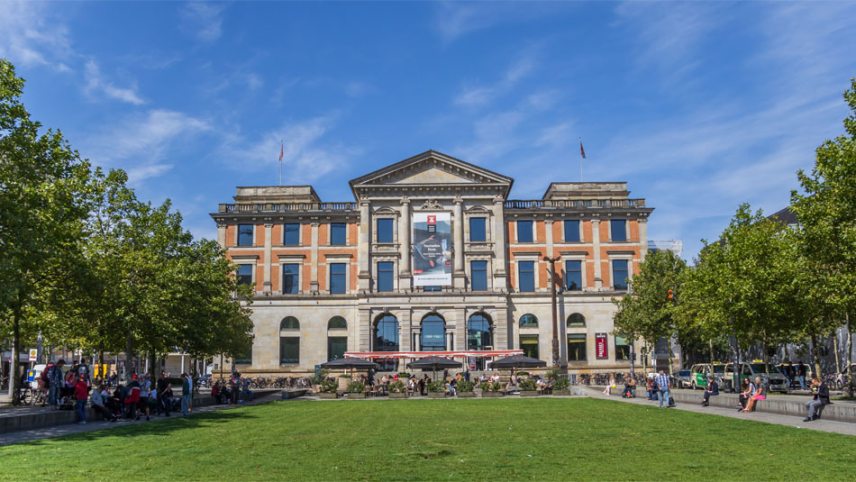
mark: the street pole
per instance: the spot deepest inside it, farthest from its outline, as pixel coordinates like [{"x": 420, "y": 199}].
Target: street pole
[{"x": 557, "y": 361}]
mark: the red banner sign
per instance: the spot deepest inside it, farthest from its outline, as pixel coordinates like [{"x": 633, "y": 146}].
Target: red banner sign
[{"x": 601, "y": 348}]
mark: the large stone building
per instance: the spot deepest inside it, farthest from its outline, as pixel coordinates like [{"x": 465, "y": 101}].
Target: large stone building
[{"x": 433, "y": 256}]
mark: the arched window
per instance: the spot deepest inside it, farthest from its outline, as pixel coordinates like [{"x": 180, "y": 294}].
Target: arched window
[
  {"x": 478, "y": 332},
  {"x": 289, "y": 341},
  {"x": 433, "y": 337},
  {"x": 337, "y": 323},
  {"x": 528, "y": 321},
  {"x": 576, "y": 320},
  {"x": 386, "y": 339},
  {"x": 337, "y": 338},
  {"x": 289, "y": 323}
]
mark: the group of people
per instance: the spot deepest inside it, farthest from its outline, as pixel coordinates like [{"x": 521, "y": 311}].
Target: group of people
[
  {"x": 658, "y": 387},
  {"x": 233, "y": 391}
]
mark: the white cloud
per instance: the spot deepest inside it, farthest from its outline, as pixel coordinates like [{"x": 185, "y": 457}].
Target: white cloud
[
  {"x": 29, "y": 38},
  {"x": 481, "y": 95},
  {"x": 95, "y": 84},
  {"x": 308, "y": 153},
  {"x": 140, "y": 143},
  {"x": 454, "y": 20},
  {"x": 204, "y": 20}
]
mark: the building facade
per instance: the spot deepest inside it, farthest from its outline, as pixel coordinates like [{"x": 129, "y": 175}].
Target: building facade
[{"x": 433, "y": 256}]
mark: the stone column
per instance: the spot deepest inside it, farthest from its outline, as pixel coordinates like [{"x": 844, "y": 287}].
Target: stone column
[
  {"x": 595, "y": 233},
  {"x": 459, "y": 277},
  {"x": 548, "y": 229},
  {"x": 266, "y": 266},
  {"x": 221, "y": 235},
  {"x": 313, "y": 257},
  {"x": 404, "y": 272},
  {"x": 499, "y": 246},
  {"x": 365, "y": 274}
]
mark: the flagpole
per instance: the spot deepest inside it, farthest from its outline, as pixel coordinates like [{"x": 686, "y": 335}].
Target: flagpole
[
  {"x": 581, "y": 159},
  {"x": 280, "y": 161}
]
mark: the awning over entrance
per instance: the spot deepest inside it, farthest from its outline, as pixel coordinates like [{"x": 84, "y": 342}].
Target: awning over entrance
[{"x": 374, "y": 355}]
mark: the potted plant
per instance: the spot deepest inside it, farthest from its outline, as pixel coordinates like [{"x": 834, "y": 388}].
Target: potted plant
[
  {"x": 397, "y": 389},
  {"x": 436, "y": 389},
  {"x": 528, "y": 388},
  {"x": 356, "y": 390},
  {"x": 491, "y": 389},
  {"x": 465, "y": 389},
  {"x": 327, "y": 388}
]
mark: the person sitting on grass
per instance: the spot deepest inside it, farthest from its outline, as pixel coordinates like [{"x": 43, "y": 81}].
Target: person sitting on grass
[
  {"x": 711, "y": 390},
  {"x": 758, "y": 395}
]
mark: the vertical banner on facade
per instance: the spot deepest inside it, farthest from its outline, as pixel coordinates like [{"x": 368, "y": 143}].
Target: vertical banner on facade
[
  {"x": 432, "y": 249},
  {"x": 601, "y": 348}
]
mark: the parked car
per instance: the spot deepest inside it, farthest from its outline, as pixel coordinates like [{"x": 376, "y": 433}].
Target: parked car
[
  {"x": 700, "y": 372},
  {"x": 772, "y": 378},
  {"x": 683, "y": 379}
]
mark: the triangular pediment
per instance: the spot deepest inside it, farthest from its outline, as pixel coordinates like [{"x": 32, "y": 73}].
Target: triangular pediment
[{"x": 433, "y": 168}]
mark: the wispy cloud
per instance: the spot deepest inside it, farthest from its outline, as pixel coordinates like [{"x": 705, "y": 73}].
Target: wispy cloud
[
  {"x": 453, "y": 20},
  {"x": 96, "y": 85},
  {"x": 480, "y": 95},
  {"x": 309, "y": 154},
  {"x": 28, "y": 38},
  {"x": 140, "y": 143},
  {"x": 204, "y": 20}
]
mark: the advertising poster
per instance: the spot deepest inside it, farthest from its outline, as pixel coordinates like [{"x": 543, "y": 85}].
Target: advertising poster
[
  {"x": 432, "y": 249},
  {"x": 600, "y": 346}
]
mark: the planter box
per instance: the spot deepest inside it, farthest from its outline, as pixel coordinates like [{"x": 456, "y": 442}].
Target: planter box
[
  {"x": 326, "y": 395},
  {"x": 466, "y": 394},
  {"x": 562, "y": 393},
  {"x": 397, "y": 395},
  {"x": 492, "y": 394},
  {"x": 356, "y": 395},
  {"x": 529, "y": 393},
  {"x": 436, "y": 394}
]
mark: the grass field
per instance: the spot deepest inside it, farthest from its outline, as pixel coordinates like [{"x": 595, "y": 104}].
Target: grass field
[{"x": 493, "y": 439}]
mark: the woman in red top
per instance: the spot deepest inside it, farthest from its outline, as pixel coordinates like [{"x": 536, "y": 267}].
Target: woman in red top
[{"x": 81, "y": 394}]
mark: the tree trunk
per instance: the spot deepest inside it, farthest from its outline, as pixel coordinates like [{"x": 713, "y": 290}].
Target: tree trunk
[
  {"x": 851, "y": 386},
  {"x": 815, "y": 357},
  {"x": 14, "y": 379},
  {"x": 129, "y": 347},
  {"x": 710, "y": 345},
  {"x": 835, "y": 349}
]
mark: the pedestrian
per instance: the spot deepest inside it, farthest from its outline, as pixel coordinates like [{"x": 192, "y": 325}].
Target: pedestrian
[
  {"x": 663, "y": 392},
  {"x": 55, "y": 377},
  {"x": 164, "y": 393},
  {"x": 819, "y": 399},
  {"x": 801, "y": 370},
  {"x": 81, "y": 394},
  {"x": 711, "y": 390},
  {"x": 186, "y": 394},
  {"x": 651, "y": 387},
  {"x": 132, "y": 398},
  {"x": 145, "y": 392}
]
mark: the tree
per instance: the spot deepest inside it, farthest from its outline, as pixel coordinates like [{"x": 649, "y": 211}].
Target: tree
[
  {"x": 827, "y": 216},
  {"x": 43, "y": 191},
  {"x": 647, "y": 312}
]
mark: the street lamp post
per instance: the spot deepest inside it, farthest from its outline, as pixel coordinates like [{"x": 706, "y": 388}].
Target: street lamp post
[{"x": 557, "y": 360}]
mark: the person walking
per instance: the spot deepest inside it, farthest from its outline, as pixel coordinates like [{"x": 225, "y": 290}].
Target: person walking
[
  {"x": 186, "y": 394},
  {"x": 663, "y": 388},
  {"x": 55, "y": 379},
  {"x": 819, "y": 400},
  {"x": 81, "y": 395},
  {"x": 164, "y": 399},
  {"x": 801, "y": 370}
]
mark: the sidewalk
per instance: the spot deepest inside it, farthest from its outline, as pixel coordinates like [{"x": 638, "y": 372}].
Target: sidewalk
[
  {"x": 68, "y": 429},
  {"x": 773, "y": 418}
]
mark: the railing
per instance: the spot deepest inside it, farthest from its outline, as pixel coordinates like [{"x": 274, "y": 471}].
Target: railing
[
  {"x": 286, "y": 208},
  {"x": 575, "y": 204}
]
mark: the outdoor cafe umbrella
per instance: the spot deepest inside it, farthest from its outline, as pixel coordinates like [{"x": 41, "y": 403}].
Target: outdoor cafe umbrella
[
  {"x": 434, "y": 363},
  {"x": 518, "y": 361},
  {"x": 349, "y": 362}
]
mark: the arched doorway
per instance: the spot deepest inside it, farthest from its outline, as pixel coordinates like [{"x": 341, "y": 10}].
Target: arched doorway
[
  {"x": 337, "y": 338},
  {"x": 479, "y": 336},
  {"x": 386, "y": 339},
  {"x": 433, "y": 333}
]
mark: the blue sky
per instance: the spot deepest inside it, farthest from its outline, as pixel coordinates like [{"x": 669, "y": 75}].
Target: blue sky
[{"x": 699, "y": 106}]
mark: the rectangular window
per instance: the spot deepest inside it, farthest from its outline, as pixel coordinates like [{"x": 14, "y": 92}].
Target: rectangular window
[
  {"x": 245, "y": 274},
  {"x": 337, "y": 234},
  {"x": 524, "y": 231},
  {"x": 290, "y": 278},
  {"x": 622, "y": 348},
  {"x": 245, "y": 235},
  {"x": 337, "y": 278},
  {"x": 385, "y": 275},
  {"x": 576, "y": 347},
  {"x": 619, "y": 274},
  {"x": 336, "y": 347},
  {"x": 573, "y": 275},
  {"x": 289, "y": 350},
  {"x": 618, "y": 228},
  {"x": 478, "y": 275},
  {"x": 384, "y": 230},
  {"x": 572, "y": 231},
  {"x": 529, "y": 345},
  {"x": 292, "y": 234},
  {"x": 477, "y": 230},
  {"x": 526, "y": 275}
]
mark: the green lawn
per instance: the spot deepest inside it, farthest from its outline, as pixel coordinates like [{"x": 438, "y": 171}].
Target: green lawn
[{"x": 493, "y": 439}]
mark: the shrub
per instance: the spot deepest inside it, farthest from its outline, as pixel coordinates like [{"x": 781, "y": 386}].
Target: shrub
[
  {"x": 356, "y": 387},
  {"x": 490, "y": 386},
  {"x": 527, "y": 385},
  {"x": 328, "y": 385},
  {"x": 397, "y": 387},
  {"x": 465, "y": 386},
  {"x": 436, "y": 386},
  {"x": 404, "y": 375},
  {"x": 522, "y": 374},
  {"x": 561, "y": 384}
]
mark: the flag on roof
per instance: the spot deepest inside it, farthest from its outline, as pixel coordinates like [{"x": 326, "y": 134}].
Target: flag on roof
[{"x": 582, "y": 150}]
